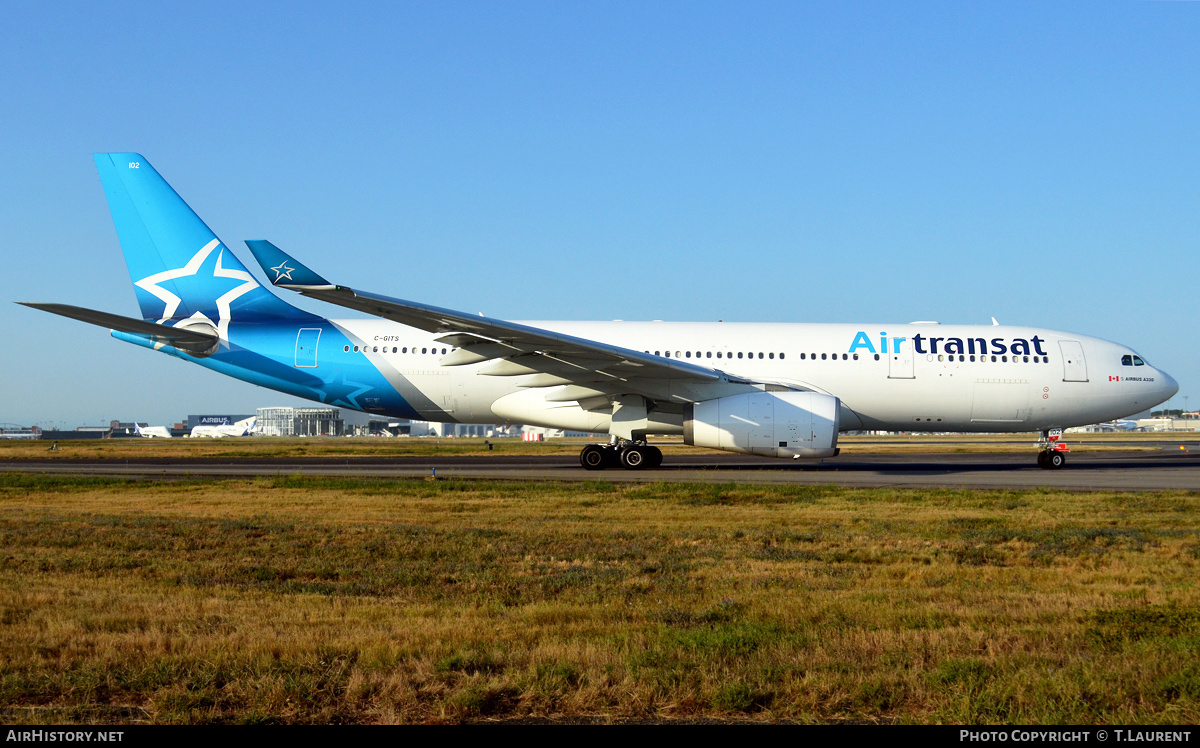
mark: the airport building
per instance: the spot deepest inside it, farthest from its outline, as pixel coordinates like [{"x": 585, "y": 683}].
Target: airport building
[
  {"x": 15, "y": 431},
  {"x": 286, "y": 421},
  {"x": 1169, "y": 424}
]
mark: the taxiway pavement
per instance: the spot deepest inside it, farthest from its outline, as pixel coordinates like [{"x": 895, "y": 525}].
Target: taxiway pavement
[{"x": 1087, "y": 471}]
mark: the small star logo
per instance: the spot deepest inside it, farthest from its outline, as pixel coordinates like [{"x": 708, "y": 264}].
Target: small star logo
[{"x": 282, "y": 271}]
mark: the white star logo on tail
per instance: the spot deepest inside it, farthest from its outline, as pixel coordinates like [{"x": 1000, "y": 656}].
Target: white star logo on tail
[
  {"x": 150, "y": 285},
  {"x": 282, "y": 271}
]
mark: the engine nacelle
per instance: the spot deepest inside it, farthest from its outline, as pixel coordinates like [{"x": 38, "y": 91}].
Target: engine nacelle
[{"x": 775, "y": 424}]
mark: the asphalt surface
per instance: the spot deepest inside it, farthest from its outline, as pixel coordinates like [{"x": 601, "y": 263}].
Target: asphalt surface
[{"x": 1161, "y": 469}]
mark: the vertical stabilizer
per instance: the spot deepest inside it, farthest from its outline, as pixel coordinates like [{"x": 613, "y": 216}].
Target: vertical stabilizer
[{"x": 179, "y": 268}]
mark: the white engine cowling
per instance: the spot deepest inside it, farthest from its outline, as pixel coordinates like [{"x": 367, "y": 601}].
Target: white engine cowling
[{"x": 775, "y": 424}]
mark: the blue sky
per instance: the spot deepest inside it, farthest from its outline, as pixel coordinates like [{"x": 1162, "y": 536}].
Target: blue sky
[{"x": 836, "y": 162}]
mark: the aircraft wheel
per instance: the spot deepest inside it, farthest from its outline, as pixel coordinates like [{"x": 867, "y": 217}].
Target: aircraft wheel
[
  {"x": 594, "y": 457},
  {"x": 635, "y": 458},
  {"x": 1042, "y": 460},
  {"x": 1055, "y": 460},
  {"x": 655, "y": 457}
]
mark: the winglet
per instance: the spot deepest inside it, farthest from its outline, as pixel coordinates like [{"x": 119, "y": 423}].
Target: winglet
[{"x": 282, "y": 269}]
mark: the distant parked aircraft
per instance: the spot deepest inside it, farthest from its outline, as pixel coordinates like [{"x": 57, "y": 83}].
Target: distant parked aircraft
[
  {"x": 152, "y": 432},
  {"x": 244, "y": 427}
]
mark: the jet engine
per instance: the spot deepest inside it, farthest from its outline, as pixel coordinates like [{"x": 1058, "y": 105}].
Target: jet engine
[{"x": 774, "y": 424}]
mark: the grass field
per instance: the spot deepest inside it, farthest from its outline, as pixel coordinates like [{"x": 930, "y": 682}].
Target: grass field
[
  {"x": 358, "y": 600},
  {"x": 259, "y": 447}
]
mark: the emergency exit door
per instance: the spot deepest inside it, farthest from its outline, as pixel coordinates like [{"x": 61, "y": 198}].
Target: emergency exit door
[
  {"x": 900, "y": 363},
  {"x": 1074, "y": 365},
  {"x": 306, "y": 347}
]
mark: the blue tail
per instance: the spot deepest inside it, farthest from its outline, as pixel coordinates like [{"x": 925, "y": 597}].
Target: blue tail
[{"x": 180, "y": 269}]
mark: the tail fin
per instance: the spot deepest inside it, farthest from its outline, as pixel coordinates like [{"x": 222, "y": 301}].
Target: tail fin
[{"x": 179, "y": 268}]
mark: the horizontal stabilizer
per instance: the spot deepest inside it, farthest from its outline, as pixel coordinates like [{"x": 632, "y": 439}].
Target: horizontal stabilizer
[{"x": 196, "y": 342}]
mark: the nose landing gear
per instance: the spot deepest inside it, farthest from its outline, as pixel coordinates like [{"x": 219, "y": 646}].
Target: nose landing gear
[
  {"x": 629, "y": 455},
  {"x": 1052, "y": 452}
]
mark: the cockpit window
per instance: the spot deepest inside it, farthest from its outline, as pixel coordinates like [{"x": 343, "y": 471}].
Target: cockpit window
[
  {"x": 1137, "y": 361},
  {"x": 1126, "y": 360}
]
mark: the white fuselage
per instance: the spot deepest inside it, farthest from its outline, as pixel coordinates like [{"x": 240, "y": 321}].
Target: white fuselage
[{"x": 916, "y": 377}]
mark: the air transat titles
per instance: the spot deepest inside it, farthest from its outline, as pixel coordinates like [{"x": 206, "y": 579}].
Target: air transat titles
[{"x": 995, "y": 346}]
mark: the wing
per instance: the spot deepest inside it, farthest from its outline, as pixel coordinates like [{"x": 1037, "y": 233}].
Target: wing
[{"x": 592, "y": 371}]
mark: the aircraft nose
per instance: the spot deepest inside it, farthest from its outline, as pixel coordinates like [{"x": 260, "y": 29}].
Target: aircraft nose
[{"x": 1169, "y": 385}]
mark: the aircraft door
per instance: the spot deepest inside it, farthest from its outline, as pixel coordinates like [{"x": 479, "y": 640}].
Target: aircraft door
[
  {"x": 1074, "y": 364},
  {"x": 900, "y": 365},
  {"x": 306, "y": 347}
]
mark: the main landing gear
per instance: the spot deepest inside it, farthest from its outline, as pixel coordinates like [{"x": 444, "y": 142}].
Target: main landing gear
[
  {"x": 629, "y": 455},
  {"x": 1052, "y": 454}
]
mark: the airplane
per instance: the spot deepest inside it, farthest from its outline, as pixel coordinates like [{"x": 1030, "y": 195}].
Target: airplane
[
  {"x": 152, "y": 432},
  {"x": 244, "y": 427},
  {"x": 774, "y": 389}
]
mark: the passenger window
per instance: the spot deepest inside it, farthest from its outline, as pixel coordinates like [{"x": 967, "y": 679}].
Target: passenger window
[
  {"x": 823, "y": 356},
  {"x": 689, "y": 354},
  {"x": 346, "y": 348},
  {"x": 801, "y": 356},
  {"x": 972, "y": 359},
  {"x": 1004, "y": 359},
  {"x": 739, "y": 354},
  {"x": 356, "y": 349},
  {"x": 845, "y": 356},
  {"x": 1025, "y": 359},
  {"x": 993, "y": 359},
  {"x": 708, "y": 355},
  {"x": 424, "y": 350},
  {"x": 876, "y": 356},
  {"x": 770, "y": 355},
  {"x": 780, "y": 356}
]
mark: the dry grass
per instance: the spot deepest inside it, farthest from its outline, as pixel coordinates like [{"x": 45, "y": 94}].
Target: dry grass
[
  {"x": 347, "y": 600},
  {"x": 263, "y": 448}
]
